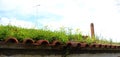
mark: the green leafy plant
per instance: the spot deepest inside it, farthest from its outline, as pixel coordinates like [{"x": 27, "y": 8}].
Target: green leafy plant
[
  {"x": 90, "y": 40},
  {"x": 63, "y": 35}
]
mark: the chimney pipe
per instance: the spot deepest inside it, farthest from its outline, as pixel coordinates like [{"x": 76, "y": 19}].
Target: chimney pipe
[{"x": 92, "y": 30}]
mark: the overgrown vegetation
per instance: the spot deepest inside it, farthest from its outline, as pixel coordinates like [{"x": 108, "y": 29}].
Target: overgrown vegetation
[
  {"x": 36, "y": 34},
  {"x": 47, "y": 34}
]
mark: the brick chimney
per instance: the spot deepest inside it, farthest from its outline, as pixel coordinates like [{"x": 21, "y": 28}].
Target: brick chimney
[{"x": 92, "y": 30}]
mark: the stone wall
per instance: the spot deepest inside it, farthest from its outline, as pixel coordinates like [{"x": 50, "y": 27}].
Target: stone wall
[
  {"x": 71, "y": 55},
  {"x": 55, "y": 53}
]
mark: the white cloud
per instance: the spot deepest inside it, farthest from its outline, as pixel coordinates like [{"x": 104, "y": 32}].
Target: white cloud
[{"x": 16, "y": 22}]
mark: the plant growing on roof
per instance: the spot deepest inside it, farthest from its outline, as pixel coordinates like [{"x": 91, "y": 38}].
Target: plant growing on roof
[
  {"x": 90, "y": 40},
  {"x": 61, "y": 35},
  {"x": 78, "y": 35}
]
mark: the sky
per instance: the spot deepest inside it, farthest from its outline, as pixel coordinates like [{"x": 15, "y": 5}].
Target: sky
[{"x": 74, "y": 14}]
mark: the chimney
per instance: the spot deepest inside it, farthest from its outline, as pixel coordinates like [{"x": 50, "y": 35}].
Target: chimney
[{"x": 92, "y": 29}]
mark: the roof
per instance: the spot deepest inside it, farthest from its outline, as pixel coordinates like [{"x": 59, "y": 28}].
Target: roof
[{"x": 39, "y": 43}]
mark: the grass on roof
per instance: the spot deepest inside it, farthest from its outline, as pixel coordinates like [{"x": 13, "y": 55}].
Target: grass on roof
[{"x": 45, "y": 34}]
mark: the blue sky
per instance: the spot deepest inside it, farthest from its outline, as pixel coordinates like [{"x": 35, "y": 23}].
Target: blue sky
[{"x": 105, "y": 15}]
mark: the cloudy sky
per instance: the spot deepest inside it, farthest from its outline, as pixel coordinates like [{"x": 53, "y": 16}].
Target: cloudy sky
[{"x": 105, "y": 14}]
